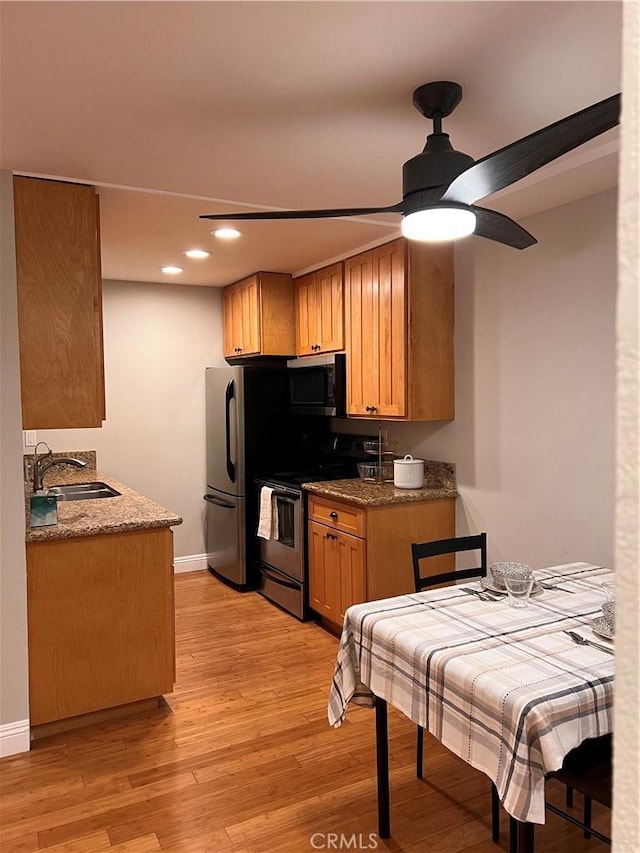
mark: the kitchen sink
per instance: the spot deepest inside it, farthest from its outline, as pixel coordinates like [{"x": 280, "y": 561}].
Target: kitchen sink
[{"x": 83, "y": 491}]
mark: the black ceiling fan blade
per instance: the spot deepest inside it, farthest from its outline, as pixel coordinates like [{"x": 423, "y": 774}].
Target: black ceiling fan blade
[
  {"x": 307, "y": 214},
  {"x": 519, "y": 159},
  {"x": 498, "y": 227}
]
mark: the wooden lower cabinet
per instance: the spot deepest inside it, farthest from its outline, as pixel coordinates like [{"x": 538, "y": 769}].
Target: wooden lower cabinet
[
  {"x": 100, "y": 621},
  {"x": 361, "y": 554}
]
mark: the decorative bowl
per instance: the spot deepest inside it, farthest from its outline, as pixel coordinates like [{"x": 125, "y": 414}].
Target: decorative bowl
[
  {"x": 499, "y": 571},
  {"x": 609, "y": 615}
]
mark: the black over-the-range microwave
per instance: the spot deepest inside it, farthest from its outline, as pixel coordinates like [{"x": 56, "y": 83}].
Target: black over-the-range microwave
[{"x": 318, "y": 388}]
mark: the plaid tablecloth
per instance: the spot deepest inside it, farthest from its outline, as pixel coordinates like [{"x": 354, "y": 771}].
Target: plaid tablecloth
[{"x": 503, "y": 688}]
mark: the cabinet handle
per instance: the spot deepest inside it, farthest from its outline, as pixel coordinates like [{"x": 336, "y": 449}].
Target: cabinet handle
[
  {"x": 330, "y": 536},
  {"x": 333, "y": 514}
]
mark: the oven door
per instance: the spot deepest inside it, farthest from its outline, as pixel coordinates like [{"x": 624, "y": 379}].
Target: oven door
[{"x": 286, "y": 552}]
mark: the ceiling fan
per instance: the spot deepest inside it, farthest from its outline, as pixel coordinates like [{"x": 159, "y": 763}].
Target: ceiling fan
[{"x": 440, "y": 185}]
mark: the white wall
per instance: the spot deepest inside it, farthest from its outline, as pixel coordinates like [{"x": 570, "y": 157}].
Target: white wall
[
  {"x": 158, "y": 340},
  {"x": 533, "y": 438}
]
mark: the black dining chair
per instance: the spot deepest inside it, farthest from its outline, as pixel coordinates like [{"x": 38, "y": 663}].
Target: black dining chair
[
  {"x": 587, "y": 769},
  {"x": 423, "y": 551}
]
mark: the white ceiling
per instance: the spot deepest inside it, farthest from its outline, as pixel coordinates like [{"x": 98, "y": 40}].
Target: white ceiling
[{"x": 174, "y": 109}]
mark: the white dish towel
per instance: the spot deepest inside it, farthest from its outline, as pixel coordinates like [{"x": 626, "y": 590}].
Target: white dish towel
[{"x": 268, "y": 521}]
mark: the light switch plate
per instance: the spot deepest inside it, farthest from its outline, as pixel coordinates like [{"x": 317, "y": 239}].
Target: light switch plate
[{"x": 30, "y": 438}]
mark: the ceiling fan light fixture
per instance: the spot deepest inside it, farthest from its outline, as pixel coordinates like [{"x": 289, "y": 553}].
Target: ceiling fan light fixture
[{"x": 437, "y": 224}]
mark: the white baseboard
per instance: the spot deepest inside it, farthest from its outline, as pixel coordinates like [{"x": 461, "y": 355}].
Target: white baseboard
[
  {"x": 14, "y": 738},
  {"x": 191, "y": 563}
]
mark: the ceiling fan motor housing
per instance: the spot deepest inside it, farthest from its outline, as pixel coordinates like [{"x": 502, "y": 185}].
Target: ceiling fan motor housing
[{"x": 437, "y": 166}]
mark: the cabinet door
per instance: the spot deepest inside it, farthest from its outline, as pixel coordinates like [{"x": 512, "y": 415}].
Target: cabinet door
[
  {"x": 388, "y": 272},
  {"x": 307, "y": 334},
  {"x": 231, "y": 321},
  {"x": 376, "y": 332},
  {"x": 352, "y": 568},
  {"x": 325, "y": 592},
  {"x": 336, "y": 572},
  {"x": 361, "y": 334},
  {"x": 330, "y": 308},
  {"x": 250, "y": 299},
  {"x": 240, "y": 318},
  {"x": 59, "y": 304}
]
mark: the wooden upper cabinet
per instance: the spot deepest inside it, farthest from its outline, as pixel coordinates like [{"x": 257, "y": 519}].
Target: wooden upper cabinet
[
  {"x": 320, "y": 311},
  {"x": 59, "y": 304},
  {"x": 258, "y": 316},
  {"x": 399, "y": 319}
]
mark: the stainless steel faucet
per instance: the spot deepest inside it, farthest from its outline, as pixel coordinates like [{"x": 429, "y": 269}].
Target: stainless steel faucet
[{"x": 41, "y": 464}]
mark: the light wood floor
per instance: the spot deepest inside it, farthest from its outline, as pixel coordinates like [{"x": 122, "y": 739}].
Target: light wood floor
[{"x": 243, "y": 760}]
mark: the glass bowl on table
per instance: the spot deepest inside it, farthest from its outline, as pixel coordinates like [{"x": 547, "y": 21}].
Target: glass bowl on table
[{"x": 519, "y": 589}]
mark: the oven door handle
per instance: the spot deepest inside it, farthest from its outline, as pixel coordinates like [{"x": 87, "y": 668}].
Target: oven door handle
[
  {"x": 280, "y": 491},
  {"x": 286, "y": 496},
  {"x": 277, "y": 578},
  {"x": 217, "y": 502}
]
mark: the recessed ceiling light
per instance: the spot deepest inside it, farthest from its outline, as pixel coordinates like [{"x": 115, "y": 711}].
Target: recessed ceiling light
[
  {"x": 226, "y": 233},
  {"x": 171, "y": 270},
  {"x": 197, "y": 253}
]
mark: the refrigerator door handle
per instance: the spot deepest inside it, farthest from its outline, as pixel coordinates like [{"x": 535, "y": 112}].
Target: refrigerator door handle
[
  {"x": 213, "y": 500},
  {"x": 278, "y": 578},
  {"x": 229, "y": 396}
]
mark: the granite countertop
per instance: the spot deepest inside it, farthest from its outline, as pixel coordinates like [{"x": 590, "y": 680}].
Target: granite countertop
[
  {"x": 377, "y": 494},
  {"x": 439, "y": 482},
  {"x": 127, "y": 511}
]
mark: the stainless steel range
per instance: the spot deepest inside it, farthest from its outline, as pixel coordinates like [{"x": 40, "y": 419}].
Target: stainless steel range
[{"x": 283, "y": 555}]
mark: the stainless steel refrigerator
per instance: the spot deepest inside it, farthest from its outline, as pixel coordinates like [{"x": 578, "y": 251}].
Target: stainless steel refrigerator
[{"x": 246, "y": 429}]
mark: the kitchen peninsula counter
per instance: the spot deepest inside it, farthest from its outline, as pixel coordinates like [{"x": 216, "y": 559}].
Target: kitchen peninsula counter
[
  {"x": 360, "y": 536},
  {"x": 100, "y": 603},
  {"x": 127, "y": 511}
]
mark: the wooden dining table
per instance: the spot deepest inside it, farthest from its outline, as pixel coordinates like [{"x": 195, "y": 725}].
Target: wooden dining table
[{"x": 504, "y": 688}]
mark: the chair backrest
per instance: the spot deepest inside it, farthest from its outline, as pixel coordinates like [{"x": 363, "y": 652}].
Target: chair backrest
[
  {"x": 423, "y": 550},
  {"x": 588, "y": 769}
]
